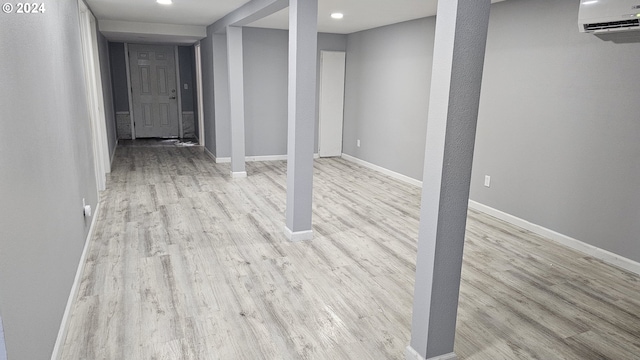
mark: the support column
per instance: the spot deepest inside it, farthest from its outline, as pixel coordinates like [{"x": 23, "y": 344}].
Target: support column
[
  {"x": 236, "y": 100},
  {"x": 460, "y": 41},
  {"x": 303, "y": 38}
]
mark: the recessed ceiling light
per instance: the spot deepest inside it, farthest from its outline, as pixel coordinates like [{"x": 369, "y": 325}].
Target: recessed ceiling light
[
  {"x": 337, "y": 15},
  {"x": 164, "y": 2}
]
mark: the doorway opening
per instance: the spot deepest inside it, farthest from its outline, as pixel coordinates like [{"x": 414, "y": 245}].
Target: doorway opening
[{"x": 154, "y": 91}]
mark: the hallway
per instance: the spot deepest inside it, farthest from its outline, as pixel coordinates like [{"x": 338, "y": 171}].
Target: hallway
[{"x": 187, "y": 263}]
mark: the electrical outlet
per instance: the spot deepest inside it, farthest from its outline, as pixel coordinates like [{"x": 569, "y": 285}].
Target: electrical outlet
[
  {"x": 487, "y": 181},
  {"x": 358, "y": 143},
  {"x": 86, "y": 209}
]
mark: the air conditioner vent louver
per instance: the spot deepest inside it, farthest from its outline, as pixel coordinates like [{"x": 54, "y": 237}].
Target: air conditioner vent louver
[
  {"x": 604, "y": 16},
  {"x": 612, "y": 25}
]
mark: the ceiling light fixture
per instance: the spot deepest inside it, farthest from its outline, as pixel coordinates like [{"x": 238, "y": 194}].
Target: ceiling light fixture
[
  {"x": 164, "y": 2},
  {"x": 337, "y": 15}
]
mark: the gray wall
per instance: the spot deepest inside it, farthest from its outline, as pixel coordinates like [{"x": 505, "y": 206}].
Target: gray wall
[
  {"x": 107, "y": 92},
  {"x": 265, "y": 90},
  {"x": 188, "y": 96},
  {"x": 221, "y": 98},
  {"x": 208, "y": 104},
  {"x": 387, "y": 95},
  {"x": 558, "y": 126},
  {"x": 265, "y": 84},
  {"x": 3, "y": 348},
  {"x": 186, "y": 59},
  {"x": 119, "y": 76},
  {"x": 47, "y": 168}
]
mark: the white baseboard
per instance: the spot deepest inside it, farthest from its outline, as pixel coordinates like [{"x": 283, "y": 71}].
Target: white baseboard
[
  {"x": 575, "y": 244},
  {"x": 411, "y": 354},
  {"x": 565, "y": 240},
  {"x": 298, "y": 235},
  {"x": 210, "y": 154},
  {"x": 64, "y": 324},
  {"x": 258, "y": 158},
  {"x": 238, "y": 174},
  {"x": 266, "y": 158},
  {"x": 113, "y": 153},
  {"x": 387, "y": 172}
]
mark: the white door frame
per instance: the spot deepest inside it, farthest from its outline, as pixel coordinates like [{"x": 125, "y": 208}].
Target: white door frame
[
  {"x": 198, "y": 55},
  {"x": 331, "y": 103},
  {"x": 95, "y": 98},
  {"x": 129, "y": 93}
]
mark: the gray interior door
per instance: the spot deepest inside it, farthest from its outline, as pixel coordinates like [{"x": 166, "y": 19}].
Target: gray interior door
[{"x": 153, "y": 87}]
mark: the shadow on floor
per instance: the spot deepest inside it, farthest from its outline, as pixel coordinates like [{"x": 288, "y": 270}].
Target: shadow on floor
[{"x": 158, "y": 142}]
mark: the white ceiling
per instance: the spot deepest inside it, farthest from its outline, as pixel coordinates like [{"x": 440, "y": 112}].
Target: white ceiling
[{"x": 358, "y": 14}]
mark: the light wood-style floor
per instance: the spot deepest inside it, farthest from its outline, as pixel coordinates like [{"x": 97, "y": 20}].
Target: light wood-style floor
[{"x": 187, "y": 263}]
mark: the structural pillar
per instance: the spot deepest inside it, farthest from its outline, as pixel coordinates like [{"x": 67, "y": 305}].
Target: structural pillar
[
  {"x": 236, "y": 100},
  {"x": 458, "y": 59},
  {"x": 303, "y": 38}
]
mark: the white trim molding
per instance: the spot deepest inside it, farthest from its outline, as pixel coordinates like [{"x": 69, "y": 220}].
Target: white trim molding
[
  {"x": 411, "y": 354},
  {"x": 224, "y": 160},
  {"x": 298, "y": 235},
  {"x": 266, "y": 158},
  {"x": 129, "y": 91},
  {"x": 210, "y": 154},
  {"x": 238, "y": 174},
  {"x": 385, "y": 171},
  {"x": 75, "y": 288},
  {"x": 596, "y": 252}
]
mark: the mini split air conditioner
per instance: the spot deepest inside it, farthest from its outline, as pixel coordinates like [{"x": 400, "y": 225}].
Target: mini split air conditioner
[{"x": 603, "y": 16}]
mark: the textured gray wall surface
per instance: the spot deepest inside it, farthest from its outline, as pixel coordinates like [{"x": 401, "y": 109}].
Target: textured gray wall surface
[
  {"x": 42, "y": 182},
  {"x": 208, "y": 104},
  {"x": 119, "y": 77},
  {"x": 187, "y": 63},
  {"x": 459, "y": 52},
  {"x": 265, "y": 80},
  {"x": 558, "y": 126},
  {"x": 107, "y": 92},
  {"x": 387, "y": 95},
  {"x": 123, "y": 125},
  {"x": 221, "y": 96},
  {"x": 188, "y": 124},
  {"x": 265, "y": 91},
  {"x": 194, "y": 76},
  {"x": 3, "y": 348}
]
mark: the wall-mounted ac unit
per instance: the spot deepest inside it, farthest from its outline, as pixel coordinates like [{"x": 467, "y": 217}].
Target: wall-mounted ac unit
[{"x": 602, "y": 16}]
